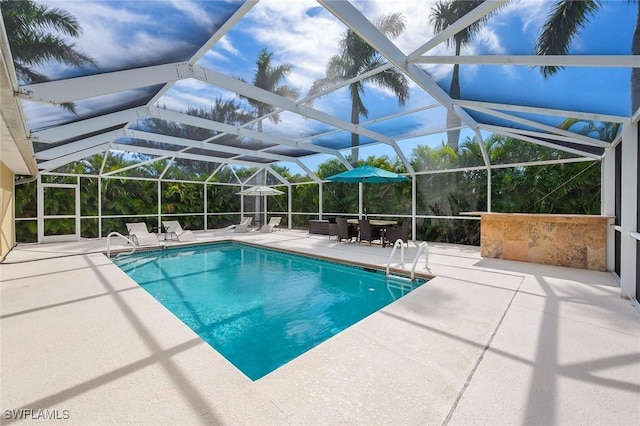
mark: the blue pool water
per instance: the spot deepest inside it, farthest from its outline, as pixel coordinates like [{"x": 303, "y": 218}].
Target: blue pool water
[{"x": 261, "y": 308}]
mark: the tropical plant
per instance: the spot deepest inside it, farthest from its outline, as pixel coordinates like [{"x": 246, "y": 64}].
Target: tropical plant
[
  {"x": 554, "y": 188},
  {"x": 444, "y": 14},
  {"x": 425, "y": 157},
  {"x": 356, "y": 58},
  {"x": 565, "y": 21},
  {"x": 269, "y": 77},
  {"x": 601, "y": 130},
  {"x": 28, "y": 26}
]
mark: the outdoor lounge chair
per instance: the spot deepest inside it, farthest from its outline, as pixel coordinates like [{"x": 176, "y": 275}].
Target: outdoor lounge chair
[
  {"x": 345, "y": 232},
  {"x": 244, "y": 225},
  {"x": 173, "y": 228},
  {"x": 368, "y": 232},
  {"x": 274, "y": 222},
  {"x": 140, "y": 234},
  {"x": 402, "y": 233}
]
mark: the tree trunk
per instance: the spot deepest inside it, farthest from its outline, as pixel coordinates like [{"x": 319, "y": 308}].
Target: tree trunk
[
  {"x": 355, "y": 138},
  {"x": 635, "y": 72},
  {"x": 453, "y": 136}
]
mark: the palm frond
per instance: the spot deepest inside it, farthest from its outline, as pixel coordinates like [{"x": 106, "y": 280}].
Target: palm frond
[
  {"x": 268, "y": 77},
  {"x": 356, "y": 58},
  {"x": 60, "y": 20},
  {"x": 446, "y": 13},
  {"x": 391, "y": 25},
  {"x": 565, "y": 20},
  {"x": 441, "y": 16},
  {"x": 395, "y": 81},
  {"x": 28, "y": 24},
  {"x": 335, "y": 75}
]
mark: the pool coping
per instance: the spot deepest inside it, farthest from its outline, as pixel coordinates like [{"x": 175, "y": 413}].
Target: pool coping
[{"x": 377, "y": 267}]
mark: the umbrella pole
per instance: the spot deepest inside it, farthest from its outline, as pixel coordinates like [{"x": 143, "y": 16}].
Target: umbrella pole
[
  {"x": 264, "y": 209},
  {"x": 366, "y": 201},
  {"x": 360, "y": 199}
]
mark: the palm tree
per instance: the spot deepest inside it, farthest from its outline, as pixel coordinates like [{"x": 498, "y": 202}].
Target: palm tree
[
  {"x": 356, "y": 58},
  {"x": 268, "y": 77},
  {"x": 565, "y": 20},
  {"x": 444, "y": 14},
  {"x": 28, "y": 27},
  {"x": 601, "y": 130}
]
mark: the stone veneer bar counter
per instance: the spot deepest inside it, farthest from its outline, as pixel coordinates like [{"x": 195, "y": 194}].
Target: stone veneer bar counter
[{"x": 577, "y": 241}]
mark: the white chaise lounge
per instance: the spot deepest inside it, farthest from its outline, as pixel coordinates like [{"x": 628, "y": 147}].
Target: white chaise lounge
[
  {"x": 140, "y": 234},
  {"x": 274, "y": 223},
  {"x": 244, "y": 225},
  {"x": 174, "y": 229}
]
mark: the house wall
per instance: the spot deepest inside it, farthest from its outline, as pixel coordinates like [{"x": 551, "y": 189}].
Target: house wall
[
  {"x": 577, "y": 241},
  {"x": 7, "y": 237}
]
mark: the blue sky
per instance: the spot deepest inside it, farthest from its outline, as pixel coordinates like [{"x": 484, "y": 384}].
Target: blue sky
[{"x": 119, "y": 34}]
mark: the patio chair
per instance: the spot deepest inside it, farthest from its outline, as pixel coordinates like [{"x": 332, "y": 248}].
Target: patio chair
[
  {"x": 274, "y": 222},
  {"x": 244, "y": 225},
  {"x": 368, "y": 232},
  {"x": 173, "y": 228},
  {"x": 345, "y": 232},
  {"x": 402, "y": 233},
  {"x": 140, "y": 235}
]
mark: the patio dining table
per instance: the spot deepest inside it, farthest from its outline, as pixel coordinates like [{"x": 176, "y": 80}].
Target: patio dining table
[{"x": 378, "y": 223}]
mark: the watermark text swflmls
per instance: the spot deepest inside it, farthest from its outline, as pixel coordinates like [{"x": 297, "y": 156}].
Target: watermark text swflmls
[{"x": 37, "y": 414}]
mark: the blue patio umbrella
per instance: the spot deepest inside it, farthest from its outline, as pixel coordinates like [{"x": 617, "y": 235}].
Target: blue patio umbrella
[{"x": 367, "y": 174}]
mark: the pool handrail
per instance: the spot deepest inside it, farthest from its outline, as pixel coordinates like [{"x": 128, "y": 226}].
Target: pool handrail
[
  {"x": 393, "y": 251},
  {"x": 426, "y": 259},
  {"x": 116, "y": 233}
]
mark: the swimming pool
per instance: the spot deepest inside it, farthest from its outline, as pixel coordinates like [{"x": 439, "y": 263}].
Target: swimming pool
[{"x": 261, "y": 308}]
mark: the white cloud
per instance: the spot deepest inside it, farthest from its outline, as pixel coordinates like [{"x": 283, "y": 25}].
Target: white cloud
[
  {"x": 490, "y": 40},
  {"x": 87, "y": 11},
  {"x": 296, "y": 31},
  {"x": 194, "y": 12},
  {"x": 193, "y": 93},
  {"x": 212, "y": 57},
  {"x": 112, "y": 38},
  {"x": 334, "y": 102},
  {"x": 308, "y": 43},
  {"x": 42, "y": 115},
  {"x": 227, "y": 46},
  {"x": 292, "y": 126},
  {"x": 416, "y": 14},
  {"x": 295, "y": 37},
  {"x": 532, "y": 13}
]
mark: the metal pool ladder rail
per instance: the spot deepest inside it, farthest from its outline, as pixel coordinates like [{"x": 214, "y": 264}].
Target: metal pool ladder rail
[
  {"x": 393, "y": 251},
  {"x": 423, "y": 247},
  {"x": 426, "y": 258},
  {"x": 115, "y": 233}
]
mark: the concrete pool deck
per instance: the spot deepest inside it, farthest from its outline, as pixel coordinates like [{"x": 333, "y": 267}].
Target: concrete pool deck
[{"x": 485, "y": 342}]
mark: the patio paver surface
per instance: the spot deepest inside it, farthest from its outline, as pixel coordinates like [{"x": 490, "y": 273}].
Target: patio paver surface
[{"x": 485, "y": 342}]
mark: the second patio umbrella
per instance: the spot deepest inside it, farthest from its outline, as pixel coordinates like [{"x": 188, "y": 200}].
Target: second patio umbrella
[{"x": 260, "y": 191}]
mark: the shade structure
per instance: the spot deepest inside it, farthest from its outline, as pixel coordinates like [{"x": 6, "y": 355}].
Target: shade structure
[
  {"x": 260, "y": 190},
  {"x": 367, "y": 174}
]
